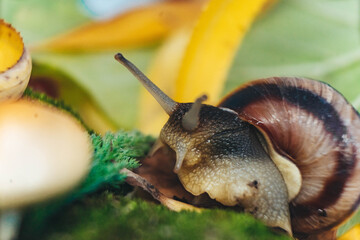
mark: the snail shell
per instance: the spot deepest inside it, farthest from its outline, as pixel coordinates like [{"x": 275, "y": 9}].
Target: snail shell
[
  {"x": 312, "y": 125},
  {"x": 308, "y": 129}
]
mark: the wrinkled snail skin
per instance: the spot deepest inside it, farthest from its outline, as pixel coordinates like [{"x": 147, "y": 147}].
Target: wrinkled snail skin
[
  {"x": 315, "y": 127},
  {"x": 285, "y": 149},
  {"x": 224, "y": 158}
]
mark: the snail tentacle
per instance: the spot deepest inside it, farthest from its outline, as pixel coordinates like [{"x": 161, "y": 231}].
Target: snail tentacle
[{"x": 164, "y": 100}]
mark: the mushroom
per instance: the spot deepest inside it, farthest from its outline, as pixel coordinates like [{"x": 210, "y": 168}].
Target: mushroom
[
  {"x": 44, "y": 152},
  {"x": 15, "y": 63}
]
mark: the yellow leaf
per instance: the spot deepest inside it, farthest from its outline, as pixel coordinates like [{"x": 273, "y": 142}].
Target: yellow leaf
[
  {"x": 139, "y": 27},
  {"x": 15, "y": 63},
  {"x": 212, "y": 47},
  {"x": 192, "y": 62},
  {"x": 352, "y": 234},
  {"x": 163, "y": 71}
]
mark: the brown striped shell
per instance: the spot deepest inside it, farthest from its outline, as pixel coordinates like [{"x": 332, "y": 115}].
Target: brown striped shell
[
  {"x": 314, "y": 126},
  {"x": 305, "y": 121}
]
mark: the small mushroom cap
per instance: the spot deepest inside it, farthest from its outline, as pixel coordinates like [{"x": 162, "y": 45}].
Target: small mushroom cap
[
  {"x": 15, "y": 63},
  {"x": 43, "y": 152}
]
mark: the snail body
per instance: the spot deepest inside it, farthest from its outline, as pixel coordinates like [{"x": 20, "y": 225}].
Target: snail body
[
  {"x": 284, "y": 149},
  {"x": 224, "y": 145}
]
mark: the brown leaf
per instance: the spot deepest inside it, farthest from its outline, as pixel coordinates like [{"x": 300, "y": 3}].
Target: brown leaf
[
  {"x": 136, "y": 180},
  {"x": 158, "y": 170},
  {"x": 156, "y": 176}
]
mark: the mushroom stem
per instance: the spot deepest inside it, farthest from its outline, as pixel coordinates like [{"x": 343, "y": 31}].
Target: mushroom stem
[
  {"x": 9, "y": 224},
  {"x": 164, "y": 100}
]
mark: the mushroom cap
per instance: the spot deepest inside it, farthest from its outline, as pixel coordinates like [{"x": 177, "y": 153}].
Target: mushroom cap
[
  {"x": 43, "y": 152},
  {"x": 15, "y": 63}
]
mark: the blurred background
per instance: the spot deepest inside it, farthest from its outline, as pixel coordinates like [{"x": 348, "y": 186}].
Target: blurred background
[
  {"x": 185, "y": 46},
  {"x": 72, "y": 43}
]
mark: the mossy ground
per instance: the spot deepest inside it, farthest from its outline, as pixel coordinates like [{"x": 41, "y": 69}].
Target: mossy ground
[
  {"x": 98, "y": 208},
  {"x": 110, "y": 216}
]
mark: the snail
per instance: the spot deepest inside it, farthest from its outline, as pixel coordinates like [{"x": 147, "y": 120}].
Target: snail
[{"x": 283, "y": 148}]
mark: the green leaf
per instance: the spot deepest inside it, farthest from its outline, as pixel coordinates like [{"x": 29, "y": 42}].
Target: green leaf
[
  {"x": 37, "y": 20},
  {"x": 319, "y": 40},
  {"x": 112, "y": 152},
  {"x": 110, "y": 85},
  {"x": 62, "y": 88},
  {"x": 349, "y": 224}
]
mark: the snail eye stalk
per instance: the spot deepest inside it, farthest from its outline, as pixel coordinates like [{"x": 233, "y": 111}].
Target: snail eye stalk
[
  {"x": 164, "y": 100},
  {"x": 190, "y": 121}
]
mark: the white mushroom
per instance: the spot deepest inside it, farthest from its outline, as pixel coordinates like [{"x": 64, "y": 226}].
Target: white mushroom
[{"x": 43, "y": 152}]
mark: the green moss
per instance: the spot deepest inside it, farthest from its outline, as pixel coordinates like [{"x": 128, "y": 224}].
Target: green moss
[
  {"x": 107, "y": 216},
  {"x": 112, "y": 152},
  {"x": 97, "y": 209}
]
